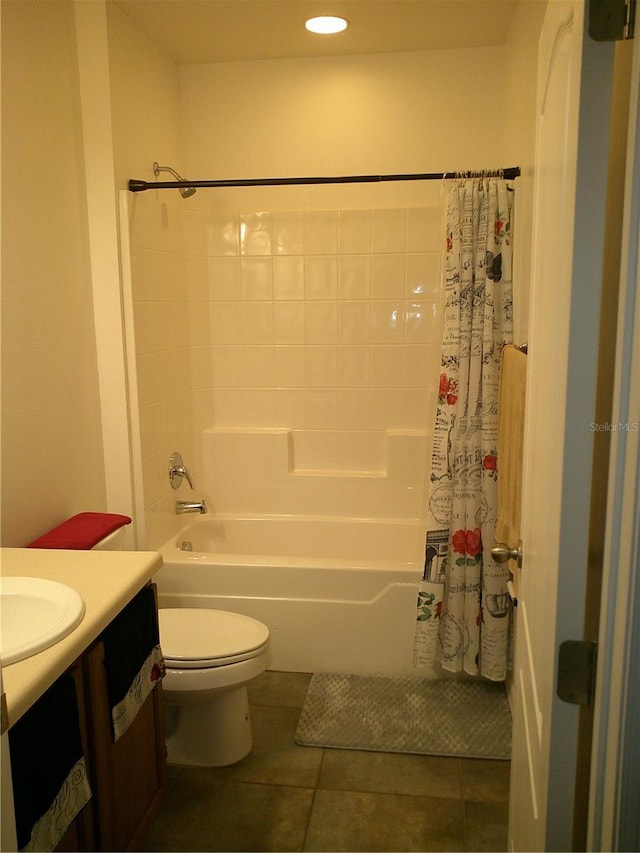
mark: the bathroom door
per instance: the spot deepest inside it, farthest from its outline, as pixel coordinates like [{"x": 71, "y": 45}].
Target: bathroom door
[{"x": 573, "y": 110}]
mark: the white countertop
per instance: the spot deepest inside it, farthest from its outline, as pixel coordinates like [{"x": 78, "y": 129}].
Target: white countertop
[{"x": 106, "y": 580}]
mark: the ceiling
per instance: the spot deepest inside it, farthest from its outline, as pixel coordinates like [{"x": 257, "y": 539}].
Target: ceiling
[{"x": 204, "y": 31}]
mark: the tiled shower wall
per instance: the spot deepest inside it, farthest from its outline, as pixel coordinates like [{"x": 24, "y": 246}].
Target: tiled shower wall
[
  {"x": 326, "y": 323},
  {"x": 173, "y": 355}
]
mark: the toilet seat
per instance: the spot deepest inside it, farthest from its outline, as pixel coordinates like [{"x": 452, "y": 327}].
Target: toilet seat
[{"x": 196, "y": 638}]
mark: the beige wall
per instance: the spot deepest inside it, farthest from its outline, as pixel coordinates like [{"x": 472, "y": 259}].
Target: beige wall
[
  {"x": 52, "y": 462},
  {"x": 384, "y": 113},
  {"x": 144, "y": 99}
]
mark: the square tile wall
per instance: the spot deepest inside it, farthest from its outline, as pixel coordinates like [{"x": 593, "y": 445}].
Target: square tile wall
[
  {"x": 170, "y": 295},
  {"x": 328, "y": 323}
]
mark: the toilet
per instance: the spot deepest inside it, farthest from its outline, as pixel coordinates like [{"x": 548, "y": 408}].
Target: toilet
[{"x": 210, "y": 657}]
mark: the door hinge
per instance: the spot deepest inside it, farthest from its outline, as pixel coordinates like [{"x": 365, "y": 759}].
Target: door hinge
[
  {"x": 576, "y": 682},
  {"x": 612, "y": 20}
]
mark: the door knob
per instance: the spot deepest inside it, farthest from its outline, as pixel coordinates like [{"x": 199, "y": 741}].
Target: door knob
[{"x": 501, "y": 553}]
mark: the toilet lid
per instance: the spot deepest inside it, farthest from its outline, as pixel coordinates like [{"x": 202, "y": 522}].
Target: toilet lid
[{"x": 196, "y": 637}]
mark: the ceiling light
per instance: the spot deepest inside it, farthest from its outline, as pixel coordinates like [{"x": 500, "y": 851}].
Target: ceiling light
[{"x": 326, "y": 24}]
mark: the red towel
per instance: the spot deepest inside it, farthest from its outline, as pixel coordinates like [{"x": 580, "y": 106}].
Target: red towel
[{"x": 81, "y": 532}]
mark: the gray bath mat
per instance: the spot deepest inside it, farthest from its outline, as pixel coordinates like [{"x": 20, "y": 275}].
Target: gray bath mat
[{"x": 406, "y": 714}]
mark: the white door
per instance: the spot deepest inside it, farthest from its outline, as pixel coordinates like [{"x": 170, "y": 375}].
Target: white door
[{"x": 571, "y": 158}]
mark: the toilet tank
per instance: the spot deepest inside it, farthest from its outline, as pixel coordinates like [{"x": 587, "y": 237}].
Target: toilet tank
[{"x": 112, "y": 542}]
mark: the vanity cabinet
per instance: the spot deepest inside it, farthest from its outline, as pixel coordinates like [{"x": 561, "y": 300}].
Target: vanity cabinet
[{"x": 127, "y": 776}]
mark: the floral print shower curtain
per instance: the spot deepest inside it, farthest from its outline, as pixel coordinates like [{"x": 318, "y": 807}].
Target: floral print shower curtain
[{"x": 463, "y": 608}]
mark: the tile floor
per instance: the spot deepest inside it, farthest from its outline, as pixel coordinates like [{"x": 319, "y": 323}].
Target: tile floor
[{"x": 285, "y": 797}]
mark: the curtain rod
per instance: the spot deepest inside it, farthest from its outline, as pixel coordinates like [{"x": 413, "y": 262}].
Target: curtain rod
[{"x": 136, "y": 186}]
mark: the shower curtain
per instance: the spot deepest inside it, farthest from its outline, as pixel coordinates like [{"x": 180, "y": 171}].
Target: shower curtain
[{"x": 463, "y": 609}]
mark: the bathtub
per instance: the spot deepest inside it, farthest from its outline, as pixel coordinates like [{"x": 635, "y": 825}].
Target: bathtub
[{"x": 338, "y": 595}]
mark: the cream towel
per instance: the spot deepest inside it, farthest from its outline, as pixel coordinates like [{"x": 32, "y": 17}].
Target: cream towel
[{"x": 511, "y": 400}]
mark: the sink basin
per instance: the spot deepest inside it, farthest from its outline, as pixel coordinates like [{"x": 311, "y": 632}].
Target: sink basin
[{"x": 36, "y": 613}]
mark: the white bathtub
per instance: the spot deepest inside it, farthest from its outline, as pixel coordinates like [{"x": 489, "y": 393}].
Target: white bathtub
[{"x": 338, "y": 595}]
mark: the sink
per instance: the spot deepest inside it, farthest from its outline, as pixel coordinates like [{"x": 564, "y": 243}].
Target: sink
[{"x": 36, "y": 613}]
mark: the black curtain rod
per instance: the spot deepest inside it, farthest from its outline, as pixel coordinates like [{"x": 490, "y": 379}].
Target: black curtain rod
[{"x": 136, "y": 186}]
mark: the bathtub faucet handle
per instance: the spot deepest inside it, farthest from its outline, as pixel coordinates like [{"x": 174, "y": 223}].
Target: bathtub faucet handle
[{"x": 177, "y": 471}]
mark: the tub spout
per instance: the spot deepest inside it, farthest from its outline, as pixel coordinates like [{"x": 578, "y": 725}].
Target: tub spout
[{"x": 190, "y": 506}]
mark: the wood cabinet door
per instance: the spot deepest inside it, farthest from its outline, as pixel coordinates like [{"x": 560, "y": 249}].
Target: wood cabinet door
[{"x": 129, "y": 775}]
